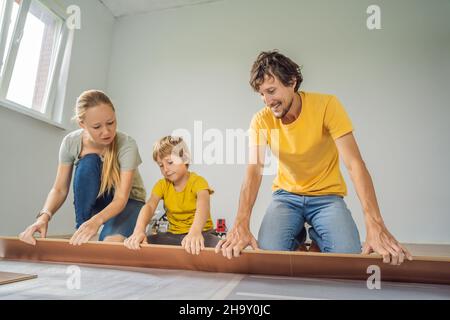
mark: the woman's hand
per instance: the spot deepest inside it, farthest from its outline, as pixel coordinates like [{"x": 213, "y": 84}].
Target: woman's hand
[
  {"x": 135, "y": 240},
  {"x": 193, "y": 243},
  {"x": 86, "y": 231},
  {"x": 40, "y": 226}
]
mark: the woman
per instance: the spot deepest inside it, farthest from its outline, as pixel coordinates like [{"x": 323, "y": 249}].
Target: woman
[{"x": 108, "y": 189}]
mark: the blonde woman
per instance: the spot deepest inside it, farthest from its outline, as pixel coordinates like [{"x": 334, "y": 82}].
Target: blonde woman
[{"x": 108, "y": 189}]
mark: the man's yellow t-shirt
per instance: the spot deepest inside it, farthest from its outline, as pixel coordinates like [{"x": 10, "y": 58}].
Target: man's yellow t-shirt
[
  {"x": 308, "y": 160},
  {"x": 181, "y": 206}
]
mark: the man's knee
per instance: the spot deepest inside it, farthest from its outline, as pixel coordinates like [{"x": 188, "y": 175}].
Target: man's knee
[
  {"x": 276, "y": 242},
  {"x": 344, "y": 246}
]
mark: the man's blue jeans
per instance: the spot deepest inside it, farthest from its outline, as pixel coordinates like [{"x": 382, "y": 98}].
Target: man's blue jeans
[
  {"x": 86, "y": 185},
  {"x": 332, "y": 225}
]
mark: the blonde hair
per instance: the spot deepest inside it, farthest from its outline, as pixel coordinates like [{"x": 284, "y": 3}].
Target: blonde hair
[
  {"x": 110, "y": 170},
  {"x": 171, "y": 145}
]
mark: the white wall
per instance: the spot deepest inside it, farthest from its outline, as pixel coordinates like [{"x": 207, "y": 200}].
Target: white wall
[
  {"x": 29, "y": 147},
  {"x": 173, "y": 67}
]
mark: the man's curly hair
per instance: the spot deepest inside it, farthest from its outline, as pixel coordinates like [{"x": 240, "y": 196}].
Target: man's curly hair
[{"x": 274, "y": 64}]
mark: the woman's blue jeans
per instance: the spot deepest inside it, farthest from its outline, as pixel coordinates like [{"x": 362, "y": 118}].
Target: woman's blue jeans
[
  {"x": 332, "y": 225},
  {"x": 86, "y": 185}
]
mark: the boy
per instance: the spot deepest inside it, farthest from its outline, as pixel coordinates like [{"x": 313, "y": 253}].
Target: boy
[{"x": 186, "y": 197}]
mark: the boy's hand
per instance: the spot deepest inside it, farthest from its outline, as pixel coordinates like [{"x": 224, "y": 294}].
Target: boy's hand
[
  {"x": 193, "y": 243},
  {"x": 135, "y": 240}
]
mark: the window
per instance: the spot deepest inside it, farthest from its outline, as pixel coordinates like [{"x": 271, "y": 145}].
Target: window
[{"x": 32, "y": 42}]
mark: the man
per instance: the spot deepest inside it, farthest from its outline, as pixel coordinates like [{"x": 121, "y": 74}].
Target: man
[{"x": 308, "y": 132}]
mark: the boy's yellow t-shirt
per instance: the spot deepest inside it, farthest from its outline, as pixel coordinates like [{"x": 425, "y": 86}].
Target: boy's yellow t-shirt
[
  {"x": 308, "y": 160},
  {"x": 181, "y": 206}
]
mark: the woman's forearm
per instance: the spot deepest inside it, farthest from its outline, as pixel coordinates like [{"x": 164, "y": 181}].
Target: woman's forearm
[
  {"x": 55, "y": 200},
  {"x": 113, "y": 209}
]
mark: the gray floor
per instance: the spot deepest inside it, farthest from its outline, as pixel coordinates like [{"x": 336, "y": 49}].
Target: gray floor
[
  {"x": 257, "y": 287},
  {"x": 103, "y": 282}
]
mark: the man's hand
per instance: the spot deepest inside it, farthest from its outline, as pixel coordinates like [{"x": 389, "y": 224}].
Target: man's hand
[
  {"x": 135, "y": 240},
  {"x": 381, "y": 241},
  {"x": 40, "y": 226},
  {"x": 237, "y": 240},
  {"x": 86, "y": 231},
  {"x": 193, "y": 243}
]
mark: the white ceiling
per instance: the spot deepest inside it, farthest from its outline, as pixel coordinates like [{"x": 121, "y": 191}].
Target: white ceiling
[{"x": 121, "y": 8}]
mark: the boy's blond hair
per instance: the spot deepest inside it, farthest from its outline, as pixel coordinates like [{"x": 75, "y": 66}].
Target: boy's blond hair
[{"x": 171, "y": 145}]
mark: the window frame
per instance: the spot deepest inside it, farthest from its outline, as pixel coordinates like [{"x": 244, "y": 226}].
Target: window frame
[{"x": 53, "y": 112}]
